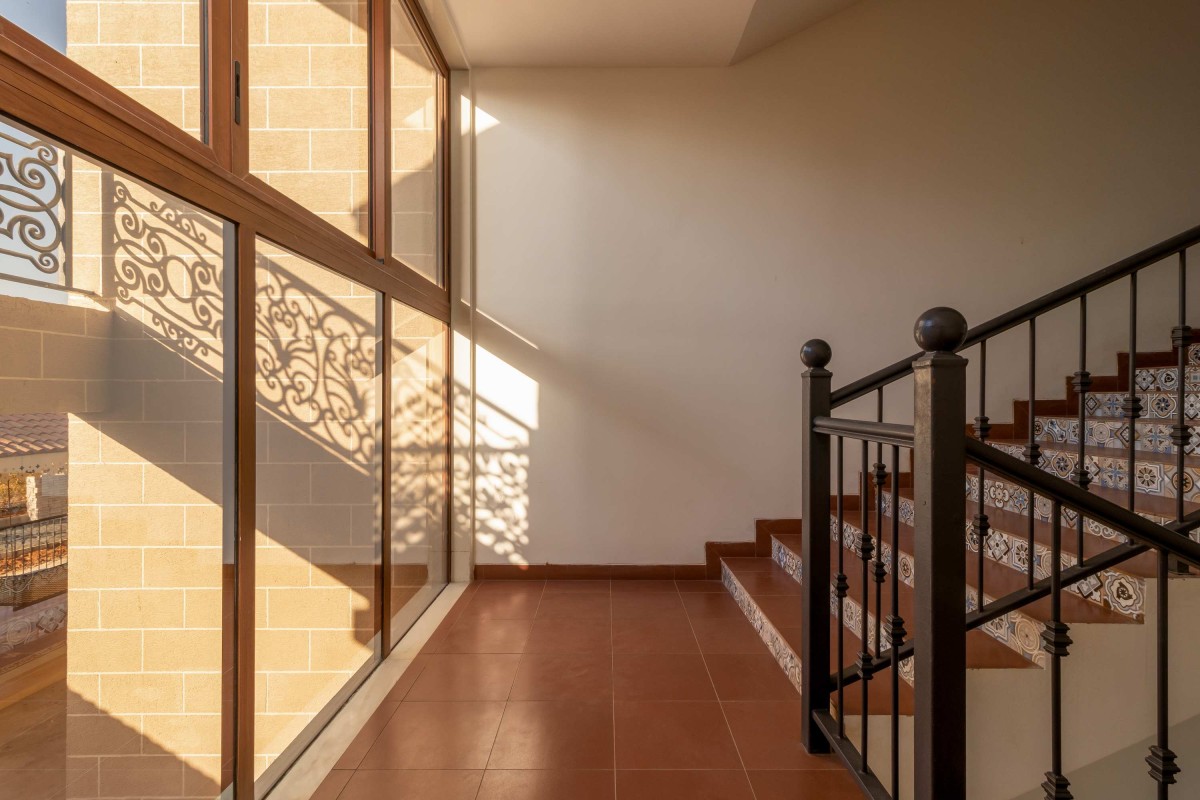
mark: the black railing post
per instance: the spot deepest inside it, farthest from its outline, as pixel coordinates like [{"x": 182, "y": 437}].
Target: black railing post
[
  {"x": 939, "y": 456},
  {"x": 814, "y": 680}
]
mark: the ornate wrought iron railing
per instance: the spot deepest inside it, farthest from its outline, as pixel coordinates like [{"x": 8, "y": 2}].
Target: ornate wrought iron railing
[{"x": 934, "y": 659}]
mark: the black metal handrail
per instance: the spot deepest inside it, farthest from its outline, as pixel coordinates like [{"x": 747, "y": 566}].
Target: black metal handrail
[
  {"x": 1034, "y": 308},
  {"x": 865, "y": 430},
  {"x": 1093, "y": 507}
]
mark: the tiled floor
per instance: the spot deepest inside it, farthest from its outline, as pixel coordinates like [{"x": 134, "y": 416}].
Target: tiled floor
[{"x": 589, "y": 690}]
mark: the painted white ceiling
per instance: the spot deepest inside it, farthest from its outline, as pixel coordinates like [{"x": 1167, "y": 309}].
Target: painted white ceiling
[{"x": 618, "y": 33}]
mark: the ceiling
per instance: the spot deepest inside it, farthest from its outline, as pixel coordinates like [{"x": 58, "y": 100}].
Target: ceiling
[{"x": 617, "y": 33}]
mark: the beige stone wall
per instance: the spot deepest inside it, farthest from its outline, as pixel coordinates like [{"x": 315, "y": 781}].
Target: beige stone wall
[
  {"x": 308, "y": 101},
  {"x": 318, "y": 492},
  {"x": 150, "y": 49}
]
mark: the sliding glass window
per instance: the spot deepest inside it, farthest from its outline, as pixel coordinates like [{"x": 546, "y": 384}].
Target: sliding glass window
[
  {"x": 318, "y": 497},
  {"x": 116, "y": 534},
  {"x": 309, "y": 78},
  {"x": 152, "y": 50},
  {"x": 416, "y": 106}
]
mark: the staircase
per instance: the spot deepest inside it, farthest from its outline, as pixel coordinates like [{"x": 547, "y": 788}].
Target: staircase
[{"x": 1066, "y": 667}]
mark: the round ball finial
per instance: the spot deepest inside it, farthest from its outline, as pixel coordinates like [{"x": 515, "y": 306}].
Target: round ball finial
[
  {"x": 816, "y": 353},
  {"x": 940, "y": 330}
]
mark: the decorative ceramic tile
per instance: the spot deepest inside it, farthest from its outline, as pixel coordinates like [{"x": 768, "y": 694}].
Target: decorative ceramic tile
[
  {"x": 789, "y": 561},
  {"x": 1155, "y": 405}
]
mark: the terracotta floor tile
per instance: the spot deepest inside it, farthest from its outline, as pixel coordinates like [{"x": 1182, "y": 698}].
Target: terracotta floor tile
[
  {"x": 503, "y": 605},
  {"x": 465, "y": 676},
  {"x": 554, "y": 735},
  {"x": 820, "y": 784},
  {"x": 436, "y": 736},
  {"x": 691, "y": 587},
  {"x": 637, "y": 586},
  {"x": 504, "y": 586},
  {"x": 705, "y": 605},
  {"x": 564, "y": 676},
  {"x": 679, "y": 784},
  {"x": 333, "y": 784},
  {"x": 654, "y": 634},
  {"x": 575, "y": 605},
  {"x": 655, "y": 735},
  {"x": 639, "y": 605},
  {"x": 569, "y": 636},
  {"x": 599, "y": 585},
  {"x": 406, "y": 680},
  {"x": 727, "y": 635},
  {"x": 546, "y": 784},
  {"x": 427, "y": 784},
  {"x": 482, "y": 635},
  {"x": 366, "y": 736},
  {"x": 749, "y": 676},
  {"x": 661, "y": 676},
  {"x": 768, "y": 736}
]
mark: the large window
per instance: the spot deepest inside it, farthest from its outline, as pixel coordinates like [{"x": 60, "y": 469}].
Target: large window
[
  {"x": 310, "y": 82},
  {"x": 152, "y": 50},
  {"x": 416, "y": 168},
  {"x": 116, "y": 533},
  {"x": 195, "y": 404}
]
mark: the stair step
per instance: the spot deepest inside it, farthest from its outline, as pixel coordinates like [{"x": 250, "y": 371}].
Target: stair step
[
  {"x": 775, "y": 617},
  {"x": 1155, "y": 405},
  {"x": 999, "y": 579},
  {"x": 1109, "y": 468},
  {"x": 1153, "y": 436}
]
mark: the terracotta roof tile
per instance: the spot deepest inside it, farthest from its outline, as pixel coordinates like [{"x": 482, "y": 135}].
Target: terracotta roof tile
[{"x": 31, "y": 434}]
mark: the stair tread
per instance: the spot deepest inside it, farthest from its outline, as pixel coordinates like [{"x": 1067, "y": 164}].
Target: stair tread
[
  {"x": 879, "y": 690},
  {"x": 1000, "y": 580},
  {"x": 1100, "y": 451}
]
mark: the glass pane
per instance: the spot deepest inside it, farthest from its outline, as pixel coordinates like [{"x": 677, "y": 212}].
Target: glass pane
[
  {"x": 309, "y": 90},
  {"x": 116, "y": 564},
  {"x": 149, "y": 49},
  {"x": 318, "y": 540},
  {"x": 419, "y": 453},
  {"x": 415, "y": 167}
]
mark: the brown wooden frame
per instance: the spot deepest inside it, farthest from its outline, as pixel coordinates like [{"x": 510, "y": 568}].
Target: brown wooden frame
[{"x": 45, "y": 90}]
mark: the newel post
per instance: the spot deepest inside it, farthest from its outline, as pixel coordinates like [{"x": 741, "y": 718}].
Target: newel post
[
  {"x": 814, "y": 678},
  {"x": 939, "y": 466}
]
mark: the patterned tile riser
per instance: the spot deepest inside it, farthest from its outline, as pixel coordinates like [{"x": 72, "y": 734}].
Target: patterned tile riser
[
  {"x": 789, "y": 561},
  {"x": 1112, "y": 472},
  {"x": 1155, "y": 405},
  {"x": 1166, "y": 379},
  {"x": 1152, "y": 437},
  {"x": 784, "y": 655},
  {"x": 1110, "y": 589},
  {"x": 1011, "y": 630}
]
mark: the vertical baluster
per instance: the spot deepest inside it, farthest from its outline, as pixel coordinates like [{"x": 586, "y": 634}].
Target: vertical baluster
[
  {"x": 1030, "y": 540},
  {"x": 1081, "y": 383},
  {"x": 842, "y": 587},
  {"x": 1181, "y": 337},
  {"x": 880, "y": 568},
  {"x": 865, "y": 546},
  {"x": 896, "y": 632},
  {"x": 1032, "y": 450},
  {"x": 1161, "y": 759},
  {"x": 1132, "y": 407},
  {"x": 982, "y": 429},
  {"x": 1056, "y": 641}
]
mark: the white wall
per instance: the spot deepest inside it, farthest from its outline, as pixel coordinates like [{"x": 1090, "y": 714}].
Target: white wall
[{"x": 652, "y": 246}]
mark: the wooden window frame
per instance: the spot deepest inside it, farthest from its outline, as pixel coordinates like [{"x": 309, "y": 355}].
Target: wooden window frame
[{"x": 48, "y": 92}]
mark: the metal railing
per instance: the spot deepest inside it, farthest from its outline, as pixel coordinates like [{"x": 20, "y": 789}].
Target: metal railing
[
  {"x": 935, "y": 659},
  {"x": 33, "y": 546}
]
